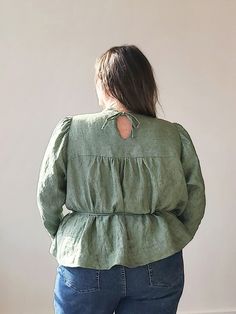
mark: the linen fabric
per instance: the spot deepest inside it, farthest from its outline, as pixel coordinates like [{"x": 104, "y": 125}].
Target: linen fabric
[{"x": 131, "y": 201}]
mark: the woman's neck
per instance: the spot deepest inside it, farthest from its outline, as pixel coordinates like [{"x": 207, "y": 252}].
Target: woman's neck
[{"x": 117, "y": 106}]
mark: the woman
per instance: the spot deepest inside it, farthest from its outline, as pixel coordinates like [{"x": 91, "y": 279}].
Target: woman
[{"x": 133, "y": 185}]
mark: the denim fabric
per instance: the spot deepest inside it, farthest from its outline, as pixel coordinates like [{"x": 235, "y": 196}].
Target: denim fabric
[
  {"x": 131, "y": 201},
  {"x": 147, "y": 289}
]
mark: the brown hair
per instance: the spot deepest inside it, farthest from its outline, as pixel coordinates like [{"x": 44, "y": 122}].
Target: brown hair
[{"x": 126, "y": 74}]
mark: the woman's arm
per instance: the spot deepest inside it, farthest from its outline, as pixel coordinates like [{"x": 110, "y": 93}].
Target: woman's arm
[
  {"x": 195, "y": 209},
  {"x": 51, "y": 188}
]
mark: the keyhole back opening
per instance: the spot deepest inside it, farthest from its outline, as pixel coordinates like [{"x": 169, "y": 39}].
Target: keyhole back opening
[{"x": 123, "y": 126}]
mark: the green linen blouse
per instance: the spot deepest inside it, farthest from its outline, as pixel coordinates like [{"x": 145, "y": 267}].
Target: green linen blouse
[{"x": 130, "y": 201}]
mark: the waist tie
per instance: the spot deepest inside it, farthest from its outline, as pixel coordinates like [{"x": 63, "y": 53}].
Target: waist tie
[
  {"x": 116, "y": 213},
  {"x": 135, "y": 122}
]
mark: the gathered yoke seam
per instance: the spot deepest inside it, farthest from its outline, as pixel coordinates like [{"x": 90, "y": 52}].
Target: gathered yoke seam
[{"x": 129, "y": 157}]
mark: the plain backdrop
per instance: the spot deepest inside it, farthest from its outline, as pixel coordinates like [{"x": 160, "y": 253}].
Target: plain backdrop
[{"x": 47, "y": 55}]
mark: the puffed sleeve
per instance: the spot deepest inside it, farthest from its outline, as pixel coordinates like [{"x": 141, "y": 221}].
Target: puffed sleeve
[
  {"x": 195, "y": 208},
  {"x": 51, "y": 187}
]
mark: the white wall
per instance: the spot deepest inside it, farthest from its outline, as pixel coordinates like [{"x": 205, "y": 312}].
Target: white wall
[{"x": 47, "y": 55}]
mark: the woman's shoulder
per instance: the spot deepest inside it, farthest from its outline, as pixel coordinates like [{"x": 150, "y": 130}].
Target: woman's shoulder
[{"x": 183, "y": 133}]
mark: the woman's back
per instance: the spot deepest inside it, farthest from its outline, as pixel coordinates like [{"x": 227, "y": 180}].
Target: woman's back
[
  {"x": 130, "y": 199},
  {"x": 135, "y": 193}
]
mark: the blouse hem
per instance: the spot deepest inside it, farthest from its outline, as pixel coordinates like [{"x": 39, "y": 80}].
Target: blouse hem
[{"x": 118, "y": 261}]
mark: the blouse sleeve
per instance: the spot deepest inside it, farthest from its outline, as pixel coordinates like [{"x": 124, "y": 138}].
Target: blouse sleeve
[
  {"x": 195, "y": 209},
  {"x": 51, "y": 188}
]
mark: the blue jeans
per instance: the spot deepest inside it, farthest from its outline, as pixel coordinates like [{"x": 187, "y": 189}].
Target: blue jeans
[{"x": 154, "y": 288}]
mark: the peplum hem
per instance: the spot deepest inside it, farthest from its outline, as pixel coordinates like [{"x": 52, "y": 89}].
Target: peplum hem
[{"x": 136, "y": 240}]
